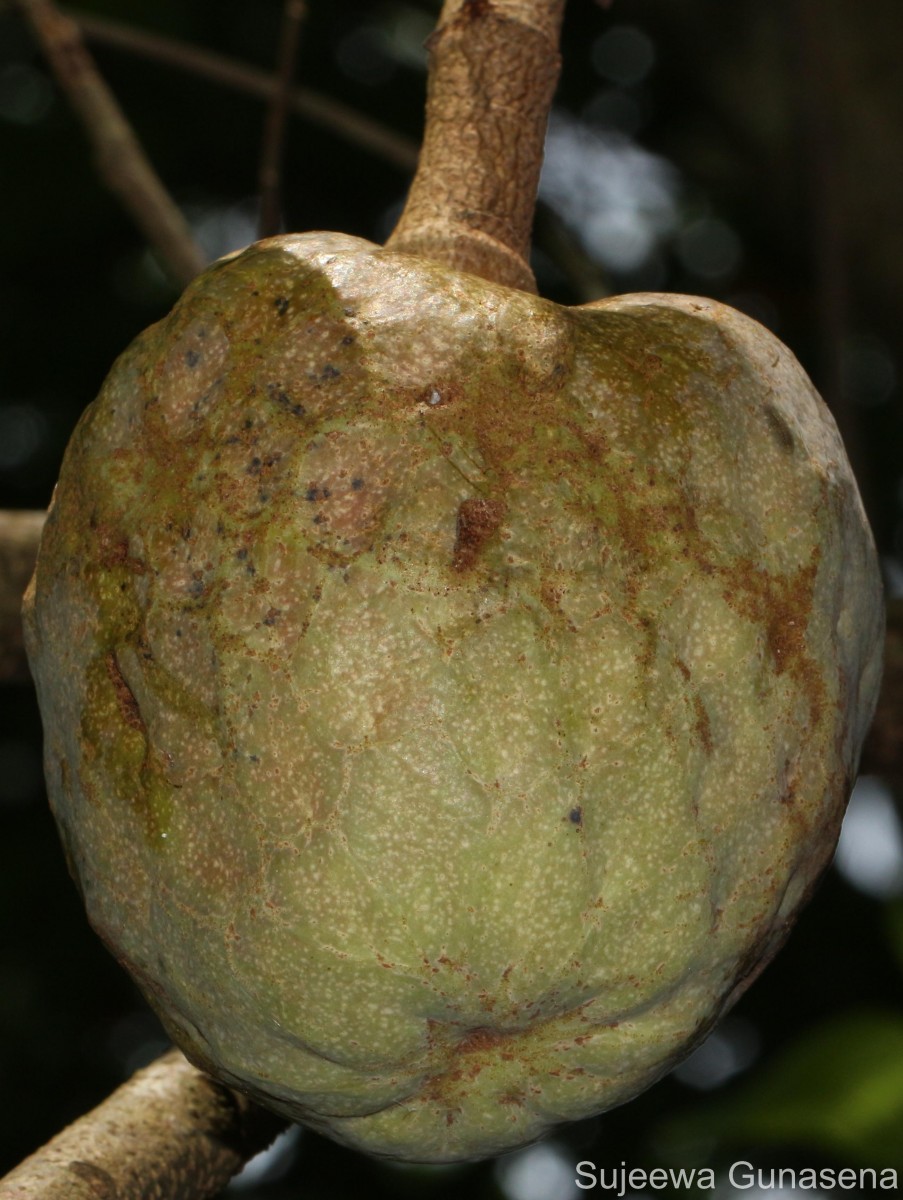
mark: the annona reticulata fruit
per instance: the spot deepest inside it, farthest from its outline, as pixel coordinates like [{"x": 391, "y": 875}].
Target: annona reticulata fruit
[{"x": 449, "y": 697}]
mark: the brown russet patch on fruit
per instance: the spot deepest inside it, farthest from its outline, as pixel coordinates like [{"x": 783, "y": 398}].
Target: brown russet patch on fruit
[
  {"x": 125, "y": 698},
  {"x": 481, "y": 1038},
  {"x": 550, "y": 595},
  {"x": 114, "y": 550},
  {"x": 703, "y": 725},
  {"x": 647, "y": 366},
  {"x": 478, "y": 1048},
  {"x": 478, "y": 520},
  {"x": 782, "y": 607}
]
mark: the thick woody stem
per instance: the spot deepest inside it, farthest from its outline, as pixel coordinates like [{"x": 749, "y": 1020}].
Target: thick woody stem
[
  {"x": 493, "y": 70},
  {"x": 170, "y": 1133}
]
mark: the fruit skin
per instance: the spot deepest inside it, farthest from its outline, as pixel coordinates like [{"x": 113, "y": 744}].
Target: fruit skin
[{"x": 449, "y": 697}]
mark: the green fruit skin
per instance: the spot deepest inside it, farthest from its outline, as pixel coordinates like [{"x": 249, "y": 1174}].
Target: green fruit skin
[{"x": 450, "y": 697}]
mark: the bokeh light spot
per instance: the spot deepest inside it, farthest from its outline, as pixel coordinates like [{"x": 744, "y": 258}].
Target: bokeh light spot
[
  {"x": 537, "y": 1173},
  {"x": 623, "y": 55},
  {"x": 869, "y": 371},
  {"x": 870, "y": 851},
  {"x": 727, "y": 1051},
  {"x": 23, "y": 428},
  {"x": 271, "y": 1164},
  {"x": 620, "y": 199},
  {"x": 709, "y": 248},
  {"x": 26, "y": 94}
]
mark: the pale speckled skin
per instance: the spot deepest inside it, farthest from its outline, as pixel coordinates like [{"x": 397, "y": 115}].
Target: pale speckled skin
[{"x": 449, "y": 697}]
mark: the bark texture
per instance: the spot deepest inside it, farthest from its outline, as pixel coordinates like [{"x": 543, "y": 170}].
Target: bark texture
[
  {"x": 493, "y": 71},
  {"x": 170, "y": 1133}
]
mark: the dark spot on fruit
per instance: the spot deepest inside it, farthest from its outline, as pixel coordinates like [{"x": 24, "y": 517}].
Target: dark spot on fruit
[
  {"x": 348, "y": 339},
  {"x": 283, "y": 399},
  {"x": 357, "y": 483},
  {"x": 281, "y": 305},
  {"x": 779, "y": 427},
  {"x": 272, "y": 616},
  {"x": 192, "y": 358},
  {"x": 330, "y": 372},
  {"x": 253, "y": 467},
  {"x": 575, "y": 816},
  {"x": 477, "y": 521},
  {"x": 241, "y": 554}
]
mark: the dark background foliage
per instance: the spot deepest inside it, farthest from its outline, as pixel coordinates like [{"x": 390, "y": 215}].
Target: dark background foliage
[{"x": 747, "y": 151}]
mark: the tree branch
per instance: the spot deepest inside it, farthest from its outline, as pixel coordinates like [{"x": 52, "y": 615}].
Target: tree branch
[
  {"x": 120, "y": 159},
  {"x": 330, "y": 114},
  {"x": 274, "y": 130},
  {"x": 169, "y": 1133},
  {"x": 820, "y": 95},
  {"x": 20, "y": 533},
  {"x": 493, "y": 70}
]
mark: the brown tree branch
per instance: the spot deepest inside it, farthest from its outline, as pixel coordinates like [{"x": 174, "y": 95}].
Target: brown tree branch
[
  {"x": 882, "y": 754},
  {"x": 277, "y": 114},
  {"x": 169, "y": 1133},
  {"x": 19, "y": 536},
  {"x": 330, "y": 114},
  {"x": 121, "y": 161},
  {"x": 493, "y": 70},
  {"x": 820, "y": 99}
]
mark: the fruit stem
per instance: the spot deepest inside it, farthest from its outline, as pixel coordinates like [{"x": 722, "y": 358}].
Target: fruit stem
[{"x": 493, "y": 70}]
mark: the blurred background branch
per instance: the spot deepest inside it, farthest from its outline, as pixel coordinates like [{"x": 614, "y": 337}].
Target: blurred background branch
[
  {"x": 120, "y": 159},
  {"x": 273, "y": 142},
  {"x": 340, "y": 119},
  {"x": 20, "y": 532}
]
